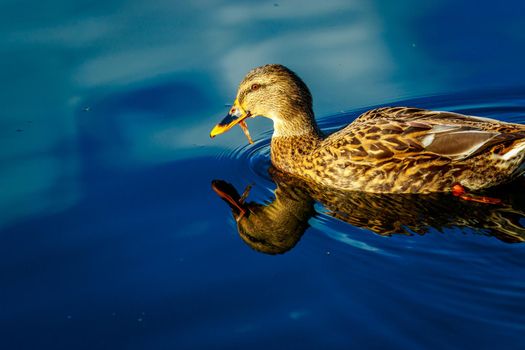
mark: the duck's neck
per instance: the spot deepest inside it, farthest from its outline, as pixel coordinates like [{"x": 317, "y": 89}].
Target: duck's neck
[
  {"x": 301, "y": 124},
  {"x": 293, "y": 140}
]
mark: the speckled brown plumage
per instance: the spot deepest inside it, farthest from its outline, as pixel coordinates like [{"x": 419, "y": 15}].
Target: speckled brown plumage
[{"x": 385, "y": 150}]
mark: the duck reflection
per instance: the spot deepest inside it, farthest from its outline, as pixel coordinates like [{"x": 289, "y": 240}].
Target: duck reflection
[{"x": 276, "y": 227}]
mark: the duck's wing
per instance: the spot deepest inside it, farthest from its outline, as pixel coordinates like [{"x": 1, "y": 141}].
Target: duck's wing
[
  {"x": 454, "y": 141},
  {"x": 403, "y": 131}
]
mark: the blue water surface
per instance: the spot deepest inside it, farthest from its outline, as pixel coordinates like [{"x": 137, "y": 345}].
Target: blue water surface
[{"x": 111, "y": 236}]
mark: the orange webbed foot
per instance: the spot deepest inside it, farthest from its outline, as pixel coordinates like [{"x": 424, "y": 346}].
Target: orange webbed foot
[{"x": 461, "y": 192}]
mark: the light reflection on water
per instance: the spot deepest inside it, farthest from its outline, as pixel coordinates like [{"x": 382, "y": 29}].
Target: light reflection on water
[{"x": 106, "y": 209}]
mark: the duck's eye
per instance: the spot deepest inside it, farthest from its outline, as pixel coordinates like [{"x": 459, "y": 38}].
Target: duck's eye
[{"x": 255, "y": 87}]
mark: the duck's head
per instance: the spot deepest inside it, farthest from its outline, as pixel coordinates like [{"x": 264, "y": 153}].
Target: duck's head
[{"x": 275, "y": 92}]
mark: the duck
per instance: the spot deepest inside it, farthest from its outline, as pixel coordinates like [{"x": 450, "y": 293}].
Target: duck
[{"x": 384, "y": 150}]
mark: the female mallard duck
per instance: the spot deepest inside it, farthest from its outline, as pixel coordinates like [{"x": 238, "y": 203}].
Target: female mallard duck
[{"x": 385, "y": 150}]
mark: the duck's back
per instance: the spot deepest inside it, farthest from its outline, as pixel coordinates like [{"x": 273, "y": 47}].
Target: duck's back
[{"x": 402, "y": 150}]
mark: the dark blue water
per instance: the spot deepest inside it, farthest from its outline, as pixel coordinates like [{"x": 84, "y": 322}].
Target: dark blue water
[{"x": 111, "y": 235}]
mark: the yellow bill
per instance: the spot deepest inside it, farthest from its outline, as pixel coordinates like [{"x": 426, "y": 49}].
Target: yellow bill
[{"x": 236, "y": 116}]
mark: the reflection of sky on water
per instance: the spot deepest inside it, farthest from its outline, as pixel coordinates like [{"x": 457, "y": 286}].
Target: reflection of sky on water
[{"x": 59, "y": 60}]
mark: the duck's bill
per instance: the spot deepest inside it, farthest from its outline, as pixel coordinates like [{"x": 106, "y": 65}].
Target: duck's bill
[{"x": 234, "y": 117}]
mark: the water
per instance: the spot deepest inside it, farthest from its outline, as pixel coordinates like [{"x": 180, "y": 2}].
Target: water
[{"x": 111, "y": 235}]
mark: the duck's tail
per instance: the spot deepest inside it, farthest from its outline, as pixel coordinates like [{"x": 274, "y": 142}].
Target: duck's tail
[{"x": 516, "y": 154}]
